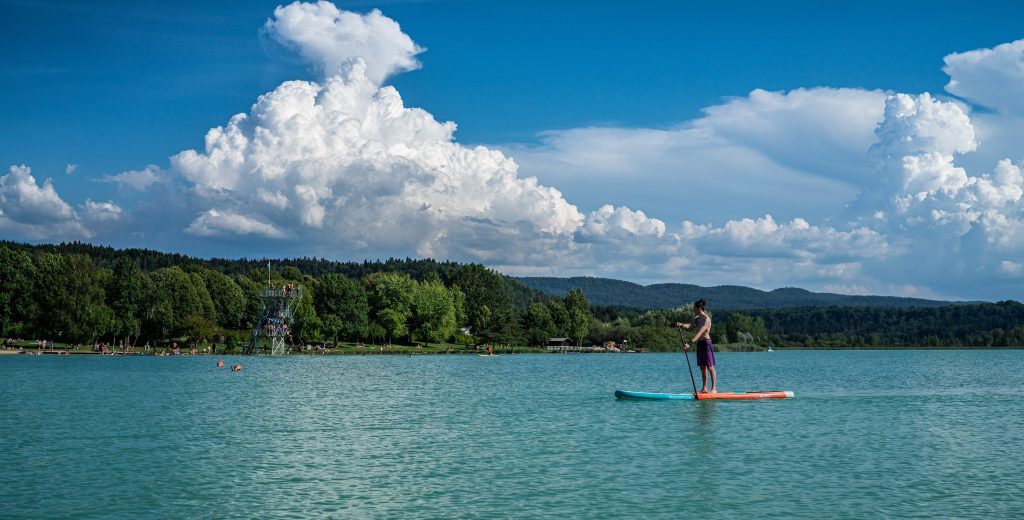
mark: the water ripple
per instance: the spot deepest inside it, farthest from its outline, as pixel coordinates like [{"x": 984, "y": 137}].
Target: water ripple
[{"x": 870, "y": 434}]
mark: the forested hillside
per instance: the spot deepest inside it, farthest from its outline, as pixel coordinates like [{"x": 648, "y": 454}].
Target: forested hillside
[
  {"x": 603, "y": 291},
  {"x": 985, "y": 324},
  {"x": 82, "y": 293},
  {"x": 973, "y": 325}
]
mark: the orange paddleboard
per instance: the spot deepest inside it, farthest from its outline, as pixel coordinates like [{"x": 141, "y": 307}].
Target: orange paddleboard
[
  {"x": 746, "y": 395},
  {"x": 632, "y": 394}
]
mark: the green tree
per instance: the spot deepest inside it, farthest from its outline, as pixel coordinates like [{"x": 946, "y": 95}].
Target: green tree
[
  {"x": 51, "y": 294},
  {"x": 375, "y": 331},
  {"x": 338, "y": 296},
  {"x": 72, "y": 299},
  {"x": 390, "y": 299},
  {"x": 579, "y": 315},
  {"x": 17, "y": 306},
  {"x": 229, "y": 300},
  {"x": 538, "y": 325},
  {"x": 183, "y": 293},
  {"x": 559, "y": 316},
  {"x": 306, "y": 325},
  {"x": 198, "y": 329},
  {"x": 251, "y": 293},
  {"x": 433, "y": 307},
  {"x": 620, "y": 331},
  {"x": 747, "y": 329},
  {"x": 659, "y": 338},
  {"x": 485, "y": 292},
  {"x": 156, "y": 312},
  {"x": 125, "y": 293},
  {"x": 459, "y": 300},
  {"x": 291, "y": 273},
  {"x": 331, "y": 325},
  {"x": 503, "y": 327}
]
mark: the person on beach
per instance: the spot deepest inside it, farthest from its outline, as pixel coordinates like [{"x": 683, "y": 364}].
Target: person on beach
[{"x": 702, "y": 341}]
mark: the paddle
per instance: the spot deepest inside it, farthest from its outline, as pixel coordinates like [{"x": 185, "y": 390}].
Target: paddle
[{"x": 690, "y": 368}]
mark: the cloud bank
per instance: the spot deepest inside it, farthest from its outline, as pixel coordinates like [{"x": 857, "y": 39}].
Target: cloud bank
[{"x": 827, "y": 188}]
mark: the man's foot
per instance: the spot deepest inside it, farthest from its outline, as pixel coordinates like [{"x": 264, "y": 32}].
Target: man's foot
[
  {"x": 714, "y": 390},
  {"x": 702, "y": 391}
]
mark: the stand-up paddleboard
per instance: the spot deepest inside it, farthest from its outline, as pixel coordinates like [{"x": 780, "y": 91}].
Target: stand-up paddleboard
[
  {"x": 630, "y": 394},
  {"x": 652, "y": 396}
]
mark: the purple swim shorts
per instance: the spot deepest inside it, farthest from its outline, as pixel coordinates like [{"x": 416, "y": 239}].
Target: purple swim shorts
[{"x": 705, "y": 354}]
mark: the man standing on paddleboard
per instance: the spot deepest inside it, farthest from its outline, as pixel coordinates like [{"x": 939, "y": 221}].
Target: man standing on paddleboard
[{"x": 702, "y": 341}]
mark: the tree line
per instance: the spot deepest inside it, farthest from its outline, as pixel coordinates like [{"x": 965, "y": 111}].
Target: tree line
[
  {"x": 72, "y": 297},
  {"x": 998, "y": 324},
  {"x": 82, "y": 293},
  {"x": 961, "y": 325}
]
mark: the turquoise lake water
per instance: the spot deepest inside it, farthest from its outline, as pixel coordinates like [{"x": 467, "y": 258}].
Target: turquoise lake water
[{"x": 871, "y": 434}]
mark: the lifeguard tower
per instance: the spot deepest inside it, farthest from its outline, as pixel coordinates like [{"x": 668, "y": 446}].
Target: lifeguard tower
[{"x": 277, "y": 308}]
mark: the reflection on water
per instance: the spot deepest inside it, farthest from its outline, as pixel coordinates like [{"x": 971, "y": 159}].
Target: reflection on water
[
  {"x": 519, "y": 435},
  {"x": 705, "y": 411}
]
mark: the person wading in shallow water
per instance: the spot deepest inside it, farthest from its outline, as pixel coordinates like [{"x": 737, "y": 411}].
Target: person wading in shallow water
[{"x": 702, "y": 342}]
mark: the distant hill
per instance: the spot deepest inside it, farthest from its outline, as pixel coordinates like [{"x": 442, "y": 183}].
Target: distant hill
[
  {"x": 600, "y": 291},
  {"x": 604, "y": 291}
]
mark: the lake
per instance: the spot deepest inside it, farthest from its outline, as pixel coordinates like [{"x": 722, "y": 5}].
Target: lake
[{"x": 917, "y": 433}]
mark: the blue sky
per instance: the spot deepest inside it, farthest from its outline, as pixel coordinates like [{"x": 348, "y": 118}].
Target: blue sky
[
  {"x": 124, "y": 84},
  {"x": 713, "y": 131}
]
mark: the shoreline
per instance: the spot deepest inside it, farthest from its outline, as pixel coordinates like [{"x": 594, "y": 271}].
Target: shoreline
[{"x": 410, "y": 353}]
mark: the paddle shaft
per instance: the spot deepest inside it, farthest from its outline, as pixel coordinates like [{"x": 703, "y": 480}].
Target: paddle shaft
[{"x": 688, "y": 366}]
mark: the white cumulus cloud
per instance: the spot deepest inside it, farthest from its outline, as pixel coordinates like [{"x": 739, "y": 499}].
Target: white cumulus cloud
[
  {"x": 214, "y": 223},
  {"x": 987, "y": 76},
  {"x": 138, "y": 180},
  {"x": 346, "y": 164},
  {"x": 101, "y": 211},
  {"x": 31, "y": 211},
  {"x": 330, "y": 38},
  {"x": 928, "y": 192},
  {"x": 765, "y": 238},
  {"x": 621, "y": 222}
]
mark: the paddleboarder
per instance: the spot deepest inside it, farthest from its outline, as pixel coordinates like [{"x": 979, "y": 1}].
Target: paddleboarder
[{"x": 702, "y": 341}]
